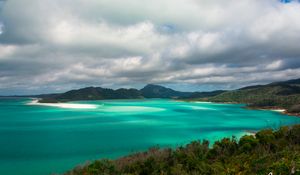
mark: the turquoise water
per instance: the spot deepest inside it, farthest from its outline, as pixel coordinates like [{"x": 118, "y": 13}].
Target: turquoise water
[{"x": 38, "y": 140}]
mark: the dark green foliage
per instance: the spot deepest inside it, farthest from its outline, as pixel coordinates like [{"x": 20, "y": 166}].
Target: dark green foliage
[
  {"x": 294, "y": 108},
  {"x": 268, "y": 151},
  {"x": 48, "y": 100},
  {"x": 282, "y": 94},
  {"x": 203, "y": 94},
  {"x": 156, "y": 91},
  {"x": 275, "y": 95},
  {"x": 104, "y": 167},
  {"x": 94, "y": 93},
  {"x": 98, "y": 93},
  {"x": 265, "y": 136},
  {"x": 248, "y": 143}
]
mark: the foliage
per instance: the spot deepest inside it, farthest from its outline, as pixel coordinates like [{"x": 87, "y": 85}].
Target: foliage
[
  {"x": 156, "y": 91},
  {"x": 295, "y": 108},
  {"x": 266, "y": 151},
  {"x": 98, "y": 93},
  {"x": 275, "y": 95},
  {"x": 93, "y": 93},
  {"x": 195, "y": 95}
]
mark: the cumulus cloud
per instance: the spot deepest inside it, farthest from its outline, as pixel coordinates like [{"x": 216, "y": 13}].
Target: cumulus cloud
[{"x": 54, "y": 45}]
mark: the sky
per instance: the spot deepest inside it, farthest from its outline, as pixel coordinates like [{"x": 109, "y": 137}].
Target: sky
[{"x": 190, "y": 45}]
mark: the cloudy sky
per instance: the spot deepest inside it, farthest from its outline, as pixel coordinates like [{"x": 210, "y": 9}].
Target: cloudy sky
[{"x": 54, "y": 45}]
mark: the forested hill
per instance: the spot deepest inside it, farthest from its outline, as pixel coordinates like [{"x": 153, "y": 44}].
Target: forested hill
[
  {"x": 156, "y": 91},
  {"x": 98, "y": 93},
  {"x": 284, "y": 94},
  {"x": 94, "y": 93}
]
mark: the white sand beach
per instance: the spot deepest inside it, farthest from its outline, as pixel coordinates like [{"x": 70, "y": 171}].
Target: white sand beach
[
  {"x": 278, "y": 110},
  {"x": 64, "y": 105}
]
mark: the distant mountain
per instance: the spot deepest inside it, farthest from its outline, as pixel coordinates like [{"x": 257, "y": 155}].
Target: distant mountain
[
  {"x": 204, "y": 94},
  {"x": 94, "y": 93},
  {"x": 98, "y": 93},
  {"x": 156, "y": 91},
  {"x": 284, "y": 94}
]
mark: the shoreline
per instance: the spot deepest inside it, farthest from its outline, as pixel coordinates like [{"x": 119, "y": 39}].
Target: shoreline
[
  {"x": 158, "y": 155},
  {"x": 269, "y": 108},
  {"x": 63, "y": 105},
  {"x": 275, "y": 109},
  {"x": 87, "y": 106},
  {"x": 250, "y": 132}
]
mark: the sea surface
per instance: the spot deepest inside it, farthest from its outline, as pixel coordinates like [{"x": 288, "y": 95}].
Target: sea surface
[{"x": 44, "y": 139}]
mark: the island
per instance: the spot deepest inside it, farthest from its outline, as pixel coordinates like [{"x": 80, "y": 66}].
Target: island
[{"x": 282, "y": 96}]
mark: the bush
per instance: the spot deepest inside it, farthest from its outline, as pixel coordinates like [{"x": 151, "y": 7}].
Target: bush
[
  {"x": 247, "y": 143},
  {"x": 265, "y": 136},
  {"x": 267, "y": 151},
  {"x": 294, "y": 109}
]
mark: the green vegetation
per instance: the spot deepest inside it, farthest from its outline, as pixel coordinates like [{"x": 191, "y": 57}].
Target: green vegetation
[
  {"x": 275, "y": 95},
  {"x": 98, "y": 93},
  {"x": 268, "y": 151},
  {"x": 195, "y": 95},
  {"x": 93, "y": 93},
  {"x": 156, "y": 91},
  {"x": 295, "y": 109}
]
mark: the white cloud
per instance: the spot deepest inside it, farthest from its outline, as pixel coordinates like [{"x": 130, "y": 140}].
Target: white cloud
[
  {"x": 1, "y": 28},
  {"x": 140, "y": 37},
  {"x": 275, "y": 65},
  {"x": 6, "y": 51},
  {"x": 54, "y": 43}
]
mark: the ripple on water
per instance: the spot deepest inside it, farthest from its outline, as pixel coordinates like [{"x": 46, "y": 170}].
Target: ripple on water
[
  {"x": 130, "y": 109},
  {"x": 197, "y": 107}
]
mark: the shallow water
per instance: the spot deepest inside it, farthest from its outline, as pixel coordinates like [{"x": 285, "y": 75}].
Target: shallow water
[{"x": 37, "y": 140}]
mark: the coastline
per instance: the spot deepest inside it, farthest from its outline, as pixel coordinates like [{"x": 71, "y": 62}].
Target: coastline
[
  {"x": 35, "y": 101},
  {"x": 250, "y": 132},
  {"x": 247, "y": 132},
  {"x": 63, "y": 105},
  {"x": 269, "y": 108},
  {"x": 248, "y": 150},
  {"x": 275, "y": 109}
]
